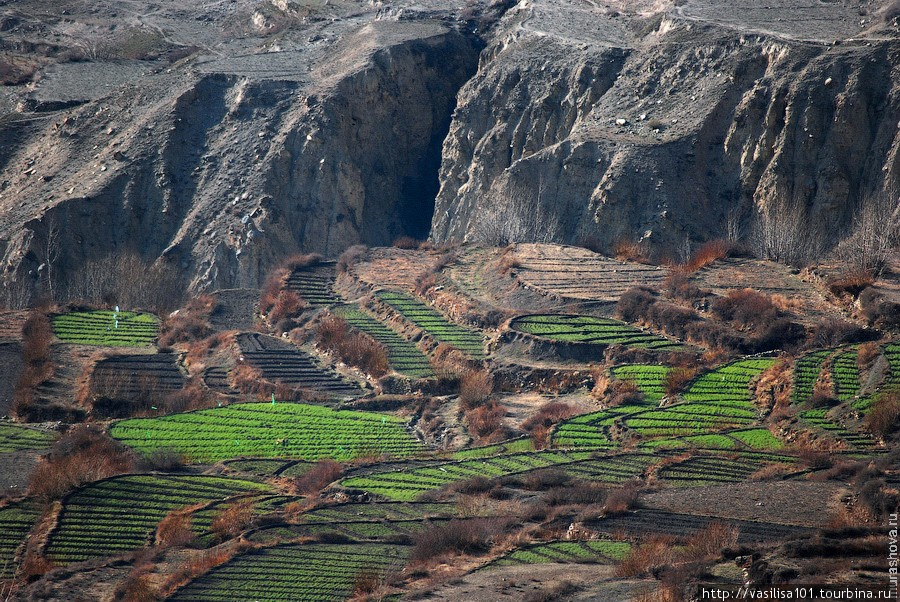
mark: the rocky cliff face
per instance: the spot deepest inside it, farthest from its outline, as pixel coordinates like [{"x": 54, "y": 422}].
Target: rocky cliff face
[
  {"x": 297, "y": 129},
  {"x": 671, "y": 123},
  {"x": 221, "y": 171}
]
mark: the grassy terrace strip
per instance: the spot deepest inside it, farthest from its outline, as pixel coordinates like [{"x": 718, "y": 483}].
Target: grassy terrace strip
[
  {"x": 265, "y": 430},
  {"x": 600, "y": 551},
  {"x": 819, "y": 418},
  {"x": 275, "y": 467},
  {"x": 891, "y": 384},
  {"x": 201, "y": 520},
  {"x": 14, "y": 437},
  {"x": 755, "y": 439},
  {"x": 806, "y": 373},
  {"x": 712, "y": 469},
  {"x": 119, "y": 514},
  {"x": 522, "y": 444},
  {"x": 434, "y": 323},
  {"x": 648, "y": 378},
  {"x": 588, "y": 329},
  {"x": 315, "y": 284},
  {"x": 16, "y": 521},
  {"x": 845, "y": 374},
  {"x": 99, "y": 328},
  {"x": 410, "y": 484},
  {"x": 312, "y": 573},
  {"x": 404, "y": 356}
]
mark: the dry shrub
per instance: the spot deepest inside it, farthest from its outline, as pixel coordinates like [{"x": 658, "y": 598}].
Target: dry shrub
[
  {"x": 677, "y": 285},
  {"x": 468, "y": 536},
  {"x": 623, "y": 498},
  {"x": 246, "y": 378},
  {"x": 367, "y": 581},
  {"x": 33, "y": 566},
  {"x": 406, "y": 242},
  {"x": 287, "y": 307},
  {"x": 174, "y": 530},
  {"x": 189, "y": 324},
  {"x": 193, "y": 396},
  {"x": 545, "y": 479},
  {"x": 486, "y": 421},
  {"x": 201, "y": 564},
  {"x": 707, "y": 253},
  {"x": 663, "y": 593},
  {"x": 629, "y": 250},
  {"x": 271, "y": 288},
  {"x": 708, "y": 543},
  {"x": 508, "y": 261},
  {"x": 678, "y": 378},
  {"x": 314, "y": 480},
  {"x": 232, "y": 521},
  {"x": 878, "y": 310},
  {"x": 773, "y": 388},
  {"x": 868, "y": 353},
  {"x": 623, "y": 392},
  {"x": 353, "y": 347},
  {"x": 883, "y": 419},
  {"x": 746, "y": 308},
  {"x": 475, "y": 386},
  {"x": 163, "y": 459},
  {"x": 773, "y": 472},
  {"x": 37, "y": 336},
  {"x": 138, "y": 586},
  {"x": 295, "y": 262},
  {"x": 82, "y": 455},
  {"x": 551, "y": 593},
  {"x": 833, "y": 332},
  {"x": 851, "y": 283},
  {"x": 656, "y": 551},
  {"x": 548, "y": 415},
  {"x": 351, "y": 257}
]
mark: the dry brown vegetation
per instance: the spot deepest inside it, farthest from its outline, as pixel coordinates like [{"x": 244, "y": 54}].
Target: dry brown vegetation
[
  {"x": 465, "y": 536},
  {"x": 707, "y": 253},
  {"x": 475, "y": 387},
  {"x": 351, "y": 257},
  {"x": 233, "y": 520},
  {"x": 82, "y": 455},
  {"x": 353, "y": 347},
  {"x": 486, "y": 421},
  {"x": 542, "y": 421},
  {"x": 37, "y": 335},
  {"x": 175, "y": 529},
  {"x": 629, "y": 250},
  {"x": 678, "y": 378},
  {"x": 190, "y": 323},
  {"x": 851, "y": 283},
  {"x": 883, "y": 418},
  {"x": 318, "y": 477}
]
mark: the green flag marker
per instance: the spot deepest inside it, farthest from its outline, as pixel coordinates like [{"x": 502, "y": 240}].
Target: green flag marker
[
  {"x": 383, "y": 420},
  {"x": 273, "y": 399}
]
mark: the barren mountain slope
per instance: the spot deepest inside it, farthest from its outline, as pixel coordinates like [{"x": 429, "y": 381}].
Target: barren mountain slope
[{"x": 218, "y": 137}]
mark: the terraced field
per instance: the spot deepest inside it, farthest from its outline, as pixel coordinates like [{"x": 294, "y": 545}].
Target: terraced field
[
  {"x": 282, "y": 362},
  {"x": 600, "y": 551},
  {"x": 649, "y": 522},
  {"x": 118, "y": 515},
  {"x": 713, "y": 469},
  {"x": 131, "y": 377},
  {"x": 818, "y": 418},
  {"x": 434, "y": 323},
  {"x": 845, "y": 375},
  {"x": 265, "y": 467},
  {"x": 588, "y": 329},
  {"x": 16, "y": 521},
  {"x": 806, "y": 372},
  {"x": 757, "y": 439},
  {"x": 310, "y": 572},
  {"x": 404, "y": 356},
  {"x": 281, "y": 430},
  {"x": 315, "y": 284},
  {"x": 649, "y": 379},
  {"x": 891, "y": 384},
  {"x": 716, "y": 401},
  {"x": 577, "y": 273},
  {"x": 202, "y": 520},
  {"x": 15, "y": 437},
  {"x": 407, "y": 485},
  {"x": 101, "y": 328}
]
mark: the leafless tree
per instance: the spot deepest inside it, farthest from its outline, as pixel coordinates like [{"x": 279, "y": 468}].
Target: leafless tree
[
  {"x": 784, "y": 234},
  {"x": 519, "y": 216},
  {"x": 875, "y": 235},
  {"x": 51, "y": 251}
]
